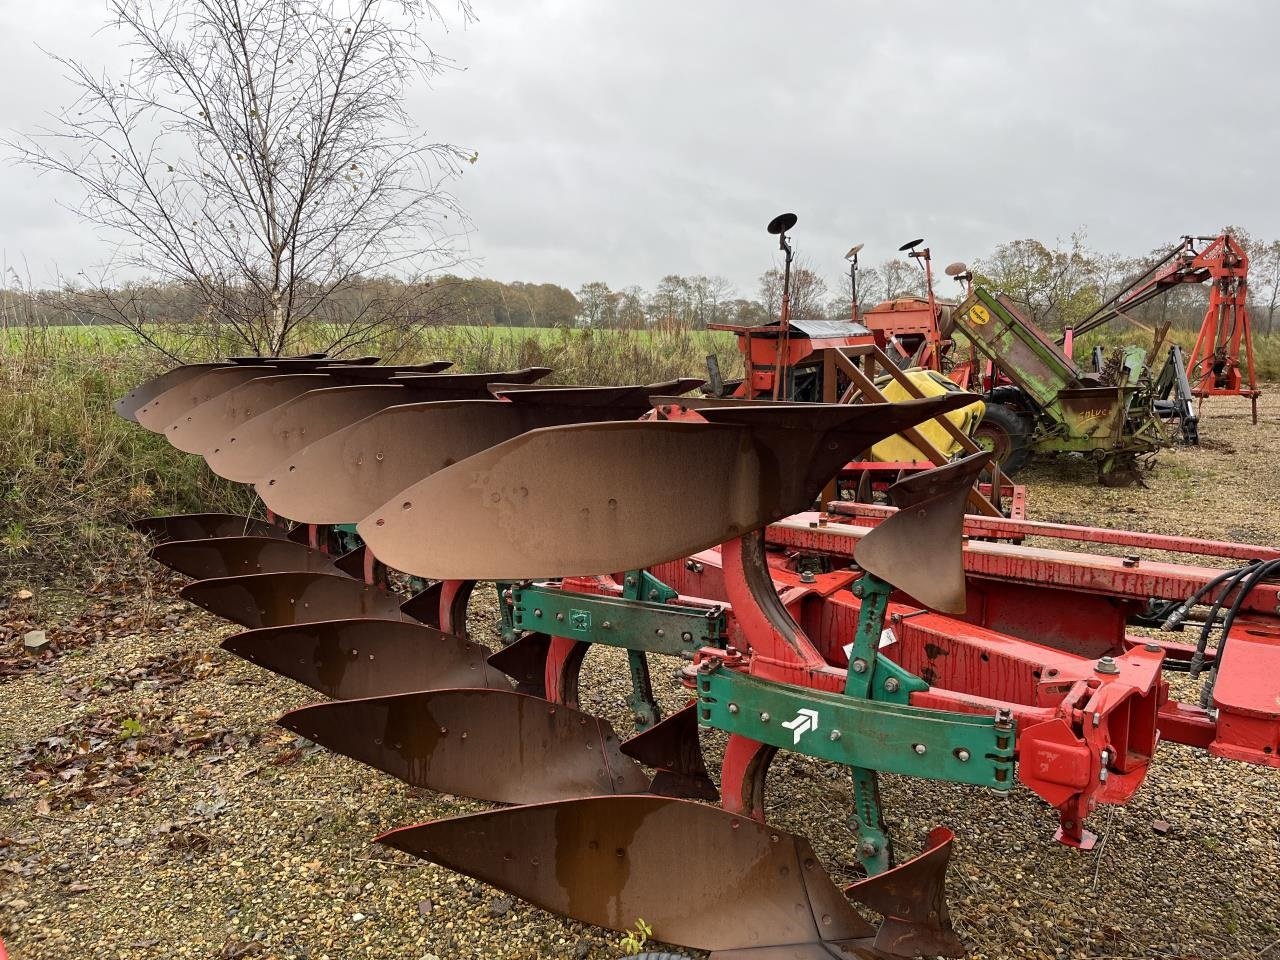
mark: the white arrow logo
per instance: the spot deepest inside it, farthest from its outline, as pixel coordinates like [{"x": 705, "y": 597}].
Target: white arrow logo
[{"x": 805, "y": 721}]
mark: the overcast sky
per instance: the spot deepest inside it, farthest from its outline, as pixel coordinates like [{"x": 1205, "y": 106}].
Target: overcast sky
[{"x": 626, "y": 140}]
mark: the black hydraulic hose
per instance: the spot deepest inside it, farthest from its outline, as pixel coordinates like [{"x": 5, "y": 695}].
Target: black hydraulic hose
[
  {"x": 1261, "y": 572},
  {"x": 1180, "y": 611},
  {"x": 1233, "y": 579}
]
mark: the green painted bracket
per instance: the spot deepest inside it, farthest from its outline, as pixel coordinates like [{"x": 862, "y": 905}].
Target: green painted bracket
[
  {"x": 648, "y": 626},
  {"x": 889, "y": 737},
  {"x": 643, "y": 585}
]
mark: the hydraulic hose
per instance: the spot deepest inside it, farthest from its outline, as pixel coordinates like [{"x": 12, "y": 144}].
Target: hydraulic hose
[
  {"x": 1180, "y": 611},
  {"x": 1233, "y": 579},
  {"x": 1261, "y": 572}
]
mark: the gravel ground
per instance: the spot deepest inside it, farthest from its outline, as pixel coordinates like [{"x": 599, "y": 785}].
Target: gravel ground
[{"x": 151, "y": 809}]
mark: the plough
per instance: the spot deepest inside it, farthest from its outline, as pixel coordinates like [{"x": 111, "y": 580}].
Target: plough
[{"x": 906, "y": 638}]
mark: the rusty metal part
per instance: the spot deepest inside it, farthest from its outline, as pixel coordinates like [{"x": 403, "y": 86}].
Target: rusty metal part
[
  {"x": 345, "y": 476},
  {"x": 605, "y": 396},
  {"x": 200, "y": 526},
  {"x": 488, "y": 744},
  {"x": 255, "y": 447},
  {"x": 596, "y": 498},
  {"x": 178, "y": 401},
  {"x": 210, "y": 558},
  {"x": 474, "y": 386},
  {"x": 201, "y": 427},
  {"x": 278, "y": 599},
  {"x": 919, "y": 549},
  {"x": 525, "y": 662},
  {"x": 672, "y": 748},
  {"x": 164, "y": 408},
  {"x": 366, "y": 657},
  {"x": 912, "y": 899},
  {"x": 609, "y": 860},
  {"x": 128, "y": 405},
  {"x": 302, "y": 361}
]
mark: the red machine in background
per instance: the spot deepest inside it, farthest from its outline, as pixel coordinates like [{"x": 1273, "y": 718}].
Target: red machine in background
[{"x": 1221, "y": 362}]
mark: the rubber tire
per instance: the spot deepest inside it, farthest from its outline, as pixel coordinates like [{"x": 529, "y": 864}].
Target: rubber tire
[
  {"x": 1015, "y": 432},
  {"x": 649, "y": 955}
]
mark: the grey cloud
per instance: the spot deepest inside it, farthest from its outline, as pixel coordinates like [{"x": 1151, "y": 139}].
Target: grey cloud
[{"x": 623, "y": 141}]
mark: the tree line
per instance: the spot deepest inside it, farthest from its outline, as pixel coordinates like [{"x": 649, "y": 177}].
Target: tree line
[{"x": 1054, "y": 284}]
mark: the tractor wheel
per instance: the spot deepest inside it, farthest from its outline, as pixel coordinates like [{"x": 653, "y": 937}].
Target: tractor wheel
[{"x": 1006, "y": 434}]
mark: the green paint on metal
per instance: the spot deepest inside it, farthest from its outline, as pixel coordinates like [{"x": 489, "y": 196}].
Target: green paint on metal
[
  {"x": 874, "y": 594},
  {"x": 879, "y": 677},
  {"x": 874, "y": 849},
  {"x": 889, "y": 737},
  {"x": 891, "y": 683},
  {"x": 1029, "y": 358},
  {"x": 643, "y": 585},
  {"x": 642, "y": 625},
  {"x": 506, "y": 624},
  {"x": 644, "y": 708}
]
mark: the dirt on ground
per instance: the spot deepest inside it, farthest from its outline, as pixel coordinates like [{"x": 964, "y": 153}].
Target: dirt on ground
[{"x": 151, "y": 808}]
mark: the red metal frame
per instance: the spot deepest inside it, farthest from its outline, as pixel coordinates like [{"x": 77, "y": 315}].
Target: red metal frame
[{"x": 1214, "y": 366}]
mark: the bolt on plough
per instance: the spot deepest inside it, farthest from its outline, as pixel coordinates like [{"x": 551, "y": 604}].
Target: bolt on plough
[{"x": 910, "y": 639}]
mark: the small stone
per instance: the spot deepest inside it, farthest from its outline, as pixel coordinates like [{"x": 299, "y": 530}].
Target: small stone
[
  {"x": 581, "y": 950},
  {"x": 1160, "y": 826},
  {"x": 425, "y": 907},
  {"x": 24, "y": 594},
  {"x": 357, "y": 917},
  {"x": 17, "y": 906},
  {"x": 500, "y": 906},
  {"x": 36, "y": 641}
]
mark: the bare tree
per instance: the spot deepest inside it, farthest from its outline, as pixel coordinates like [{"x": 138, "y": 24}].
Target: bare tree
[
  {"x": 808, "y": 291},
  {"x": 258, "y": 152},
  {"x": 1264, "y": 269}
]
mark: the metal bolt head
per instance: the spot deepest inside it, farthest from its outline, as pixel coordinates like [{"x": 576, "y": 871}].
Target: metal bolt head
[
  {"x": 537, "y": 612},
  {"x": 605, "y": 625},
  {"x": 660, "y": 632},
  {"x": 631, "y": 581},
  {"x": 1131, "y": 560},
  {"x": 859, "y": 666},
  {"x": 733, "y": 708},
  {"x": 868, "y": 848},
  {"x": 919, "y": 748},
  {"x": 857, "y": 589},
  {"x": 1107, "y": 665},
  {"x": 1152, "y": 647},
  {"x": 686, "y": 636},
  {"x": 962, "y": 755},
  {"x": 764, "y": 716},
  {"x": 891, "y": 685},
  {"x": 835, "y": 735},
  {"x": 560, "y": 617},
  {"x": 808, "y": 577}
]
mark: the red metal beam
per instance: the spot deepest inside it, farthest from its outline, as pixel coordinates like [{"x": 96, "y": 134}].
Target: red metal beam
[{"x": 1002, "y": 528}]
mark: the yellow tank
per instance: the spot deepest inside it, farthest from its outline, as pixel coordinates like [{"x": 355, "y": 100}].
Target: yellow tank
[{"x": 898, "y": 449}]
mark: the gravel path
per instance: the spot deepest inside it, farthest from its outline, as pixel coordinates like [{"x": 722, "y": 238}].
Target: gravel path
[{"x": 151, "y": 809}]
